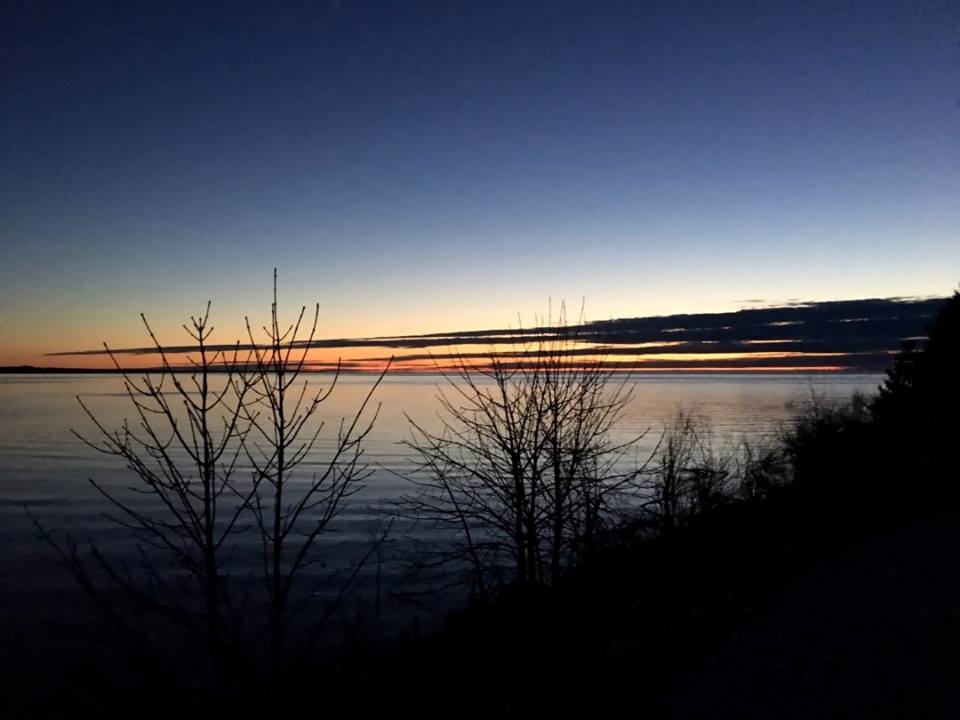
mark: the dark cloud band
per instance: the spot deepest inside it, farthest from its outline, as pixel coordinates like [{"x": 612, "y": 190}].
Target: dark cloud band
[{"x": 850, "y": 334}]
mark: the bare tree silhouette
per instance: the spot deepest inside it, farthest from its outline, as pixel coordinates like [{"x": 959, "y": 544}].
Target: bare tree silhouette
[
  {"x": 689, "y": 475},
  {"x": 215, "y": 447},
  {"x": 525, "y": 468},
  {"x": 184, "y": 448},
  {"x": 293, "y": 511}
]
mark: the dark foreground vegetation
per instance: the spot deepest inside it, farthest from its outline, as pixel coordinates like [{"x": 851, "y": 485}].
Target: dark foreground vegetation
[
  {"x": 618, "y": 629},
  {"x": 584, "y": 603}
]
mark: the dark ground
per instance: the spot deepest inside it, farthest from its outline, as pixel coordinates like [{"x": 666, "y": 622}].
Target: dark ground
[
  {"x": 871, "y": 633},
  {"x": 725, "y": 624}
]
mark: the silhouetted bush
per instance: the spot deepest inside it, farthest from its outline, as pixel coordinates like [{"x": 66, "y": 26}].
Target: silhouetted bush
[
  {"x": 527, "y": 470},
  {"x": 709, "y": 547},
  {"x": 878, "y": 462},
  {"x": 916, "y": 412}
]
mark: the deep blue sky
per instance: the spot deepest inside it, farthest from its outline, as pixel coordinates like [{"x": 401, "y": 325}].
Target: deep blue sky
[{"x": 422, "y": 166}]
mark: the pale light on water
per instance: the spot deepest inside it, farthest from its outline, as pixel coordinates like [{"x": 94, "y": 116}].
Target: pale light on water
[{"x": 45, "y": 467}]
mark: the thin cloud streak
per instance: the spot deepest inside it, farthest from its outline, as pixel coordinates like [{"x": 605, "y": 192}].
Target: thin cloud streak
[{"x": 836, "y": 335}]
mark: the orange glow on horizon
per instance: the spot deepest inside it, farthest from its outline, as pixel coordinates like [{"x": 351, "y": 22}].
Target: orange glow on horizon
[{"x": 416, "y": 355}]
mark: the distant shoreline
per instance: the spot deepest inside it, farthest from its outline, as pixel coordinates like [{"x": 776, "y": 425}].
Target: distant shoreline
[{"x": 35, "y": 370}]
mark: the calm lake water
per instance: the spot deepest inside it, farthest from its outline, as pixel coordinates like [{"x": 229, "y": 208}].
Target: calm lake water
[{"x": 45, "y": 468}]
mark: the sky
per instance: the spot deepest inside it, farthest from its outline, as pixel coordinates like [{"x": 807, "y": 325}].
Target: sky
[
  {"x": 433, "y": 166},
  {"x": 830, "y": 336}
]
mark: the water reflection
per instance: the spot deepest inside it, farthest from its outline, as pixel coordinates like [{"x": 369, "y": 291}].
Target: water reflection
[{"x": 45, "y": 467}]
